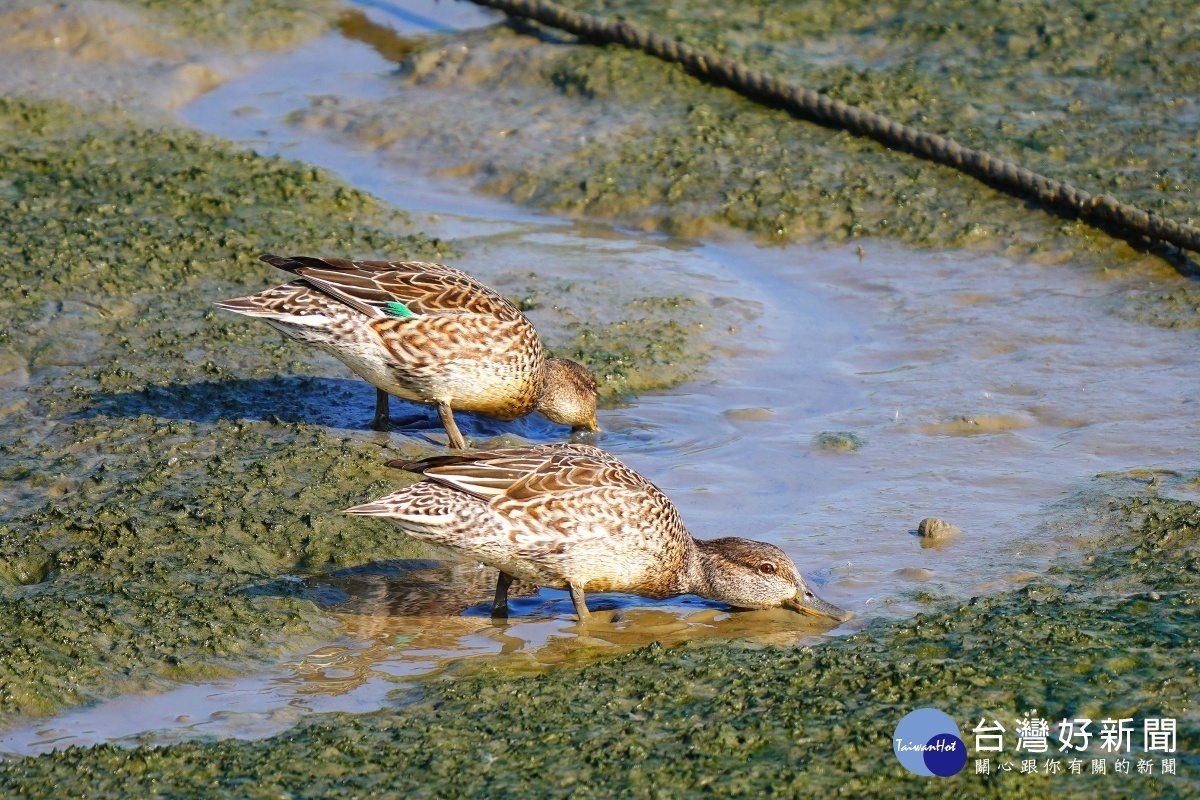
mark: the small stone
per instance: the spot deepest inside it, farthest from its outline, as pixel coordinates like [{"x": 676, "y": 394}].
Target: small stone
[
  {"x": 933, "y": 528},
  {"x": 837, "y": 441}
]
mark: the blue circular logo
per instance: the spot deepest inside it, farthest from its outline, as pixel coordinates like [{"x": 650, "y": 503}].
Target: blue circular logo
[{"x": 927, "y": 742}]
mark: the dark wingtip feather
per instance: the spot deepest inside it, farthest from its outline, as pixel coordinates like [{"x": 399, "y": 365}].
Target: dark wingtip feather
[
  {"x": 295, "y": 264},
  {"x": 280, "y": 262},
  {"x": 419, "y": 466}
]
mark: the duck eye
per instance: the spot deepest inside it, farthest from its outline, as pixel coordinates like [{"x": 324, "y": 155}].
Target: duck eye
[{"x": 766, "y": 568}]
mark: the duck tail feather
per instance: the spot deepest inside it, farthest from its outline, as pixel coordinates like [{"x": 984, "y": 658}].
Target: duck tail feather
[
  {"x": 420, "y": 465},
  {"x": 282, "y": 262},
  {"x": 375, "y": 509},
  {"x": 241, "y": 305}
]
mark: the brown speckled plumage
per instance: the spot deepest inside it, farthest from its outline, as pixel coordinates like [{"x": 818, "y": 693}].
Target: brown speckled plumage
[
  {"x": 461, "y": 345},
  {"x": 572, "y": 516}
]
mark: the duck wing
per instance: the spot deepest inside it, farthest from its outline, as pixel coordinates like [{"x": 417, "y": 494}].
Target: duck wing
[
  {"x": 373, "y": 287},
  {"x": 529, "y": 473},
  {"x": 559, "y": 513}
]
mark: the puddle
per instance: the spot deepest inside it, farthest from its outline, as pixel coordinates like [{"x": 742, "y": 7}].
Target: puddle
[
  {"x": 850, "y": 395},
  {"x": 399, "y": 622}
]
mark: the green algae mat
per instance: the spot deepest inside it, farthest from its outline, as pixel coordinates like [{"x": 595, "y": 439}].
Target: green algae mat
[
  {"x": 1096, "y": 94},
  {"x": 136, "y": 498}
]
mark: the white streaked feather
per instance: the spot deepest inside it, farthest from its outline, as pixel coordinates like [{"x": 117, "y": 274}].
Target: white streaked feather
[
  {"x": 486, "y": 480},
  {"x": 423, "y": 519},
  {"x": 311, "y": 320}
]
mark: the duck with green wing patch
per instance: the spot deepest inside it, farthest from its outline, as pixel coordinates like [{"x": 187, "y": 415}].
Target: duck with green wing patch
[{"x": 427, "y": 333}]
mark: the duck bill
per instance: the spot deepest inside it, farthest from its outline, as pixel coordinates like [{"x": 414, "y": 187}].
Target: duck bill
[
  {"x": 589, "y": 426},
  {"x": 816, "y": 607}
]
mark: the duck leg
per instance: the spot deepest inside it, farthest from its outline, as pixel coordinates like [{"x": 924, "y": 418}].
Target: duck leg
[
  {"x": 500, "y": 604},
  {"x": 447, "y": 416},
  {"x": 380, "y": 422},
  {"x": 580, "y": 601}
]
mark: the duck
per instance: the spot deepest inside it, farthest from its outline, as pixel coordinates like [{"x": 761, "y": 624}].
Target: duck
[
  {"x": 428, "y": 333},
  {"x": 567, "y": 515}
]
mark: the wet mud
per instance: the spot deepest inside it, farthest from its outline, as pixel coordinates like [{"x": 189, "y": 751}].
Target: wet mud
[
  {"x": 239, "y": 25},
  {"x": 147, "y": 55}
]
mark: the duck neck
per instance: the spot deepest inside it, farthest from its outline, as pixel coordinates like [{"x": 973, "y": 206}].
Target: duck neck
[{"x": 704, "y": 570}]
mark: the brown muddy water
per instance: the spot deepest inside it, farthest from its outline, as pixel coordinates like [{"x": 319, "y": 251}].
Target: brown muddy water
[{"x": 849, "y": 393}]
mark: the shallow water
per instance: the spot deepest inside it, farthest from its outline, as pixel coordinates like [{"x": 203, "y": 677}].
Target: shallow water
[{"x": 982, "y": 390}]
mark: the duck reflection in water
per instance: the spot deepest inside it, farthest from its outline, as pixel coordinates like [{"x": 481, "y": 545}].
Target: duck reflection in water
[{"x": 408, "y": 617}]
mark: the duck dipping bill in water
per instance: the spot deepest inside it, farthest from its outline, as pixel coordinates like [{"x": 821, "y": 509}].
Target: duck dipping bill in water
[
  {"x": 570, "y": 516},
  {"x": 428, "y": 333}
]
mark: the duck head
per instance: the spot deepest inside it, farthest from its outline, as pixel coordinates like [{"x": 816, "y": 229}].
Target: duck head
[
  {"x": 570, "y": 395},
  {"x": 749, "y": 574}
]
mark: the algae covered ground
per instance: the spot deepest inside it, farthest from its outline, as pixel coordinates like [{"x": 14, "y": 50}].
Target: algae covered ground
[
  {"x": 1113, "y": 636},
  {"x": 140, "y": 504},
  {"x": 1099, "y": 94},
  {"x": 244, "y": 24}
]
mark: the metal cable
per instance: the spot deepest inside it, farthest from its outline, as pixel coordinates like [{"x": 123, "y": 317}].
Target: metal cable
[{"x": 996, "y": 172}]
